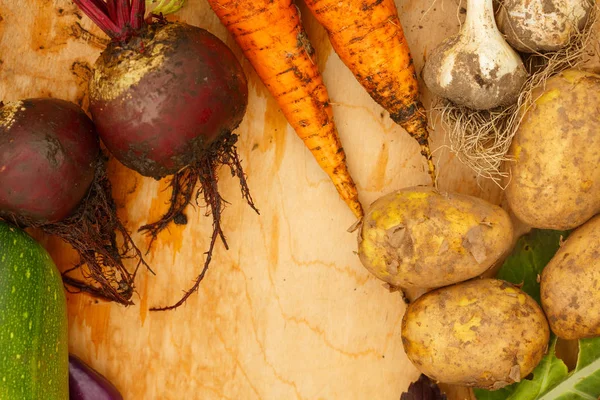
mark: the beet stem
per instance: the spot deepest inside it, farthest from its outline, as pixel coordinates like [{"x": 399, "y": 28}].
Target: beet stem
[
  {"x": 123, "y": 13},
  {"x": 101, "y": 19},
  {"x": 111, "y": 6},
  {"x": 138, "y": 9},
  {"x": 101, "y": 5}
]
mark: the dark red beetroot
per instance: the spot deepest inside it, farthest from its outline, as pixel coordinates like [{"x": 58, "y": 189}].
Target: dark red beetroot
[
  {"x": 159, "y": 110},
  {"x": 165, "y": 98},
  {"x": 52, "y": 177},
  {"x": 47, "y": 164}
]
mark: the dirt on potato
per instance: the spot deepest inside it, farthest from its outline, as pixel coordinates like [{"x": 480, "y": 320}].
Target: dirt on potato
[
  {"x": 555, "y": 180},
  {"x": 483, "y": 333},
  {"x": 570, "y": 284},
  {"x": 420, "y": 238}
]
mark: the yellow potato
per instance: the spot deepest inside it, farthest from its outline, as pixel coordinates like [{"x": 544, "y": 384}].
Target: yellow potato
[
  {"x": 555, "y": 179},
  {"x": 420, "y": 238},
  {"x": 483, "y": 333},
  {"x": 570, "y": 284}
]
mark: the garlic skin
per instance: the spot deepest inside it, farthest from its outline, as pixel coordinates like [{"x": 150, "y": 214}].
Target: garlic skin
[
  {"x": 541, "y": 25},
  {"x": 476, "y": 68}
]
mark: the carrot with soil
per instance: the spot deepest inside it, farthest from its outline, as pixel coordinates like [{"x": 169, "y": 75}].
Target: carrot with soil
[
  {"x": 368, "y": 38},
  {"x": 166, "y": 97},
  {"x": 273, "y": 39}
]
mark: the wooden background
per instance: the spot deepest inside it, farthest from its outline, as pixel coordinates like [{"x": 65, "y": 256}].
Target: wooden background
[{"x": 288, "y": 312}]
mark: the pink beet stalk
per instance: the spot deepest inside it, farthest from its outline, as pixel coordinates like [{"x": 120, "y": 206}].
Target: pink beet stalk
[
  {"x": 138, "y": 9},
  {"x": 123, "y": 12},
  {"x": 119, "y": 19},
  {"x": 111, "y": 5},
  {"x": 99, "y": 17},
  {"x": 101, "y": 5}
]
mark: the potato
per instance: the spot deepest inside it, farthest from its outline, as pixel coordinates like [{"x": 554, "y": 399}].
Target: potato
[
  {"x": 570, "y": 284},
  {"x": 420, "y": 238},
  {"x": 483, "y": 333},
  {"x": 555, "y": 179}
]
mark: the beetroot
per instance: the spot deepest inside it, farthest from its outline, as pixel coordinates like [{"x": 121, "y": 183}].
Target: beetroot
[
  {"x": 52, "y": 177},
  {"x": 165, "y": 97},
  {"x": 46, "y": 164},
  {"x": 189, "y": 91}
]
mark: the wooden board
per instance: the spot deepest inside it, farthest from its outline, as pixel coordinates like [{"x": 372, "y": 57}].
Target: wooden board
[{"x": 288, "y": 312}]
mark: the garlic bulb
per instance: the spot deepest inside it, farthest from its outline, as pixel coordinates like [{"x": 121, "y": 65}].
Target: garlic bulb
[
  {"x": 542, "y": 25},
  {"x": 476, "y": 68}
]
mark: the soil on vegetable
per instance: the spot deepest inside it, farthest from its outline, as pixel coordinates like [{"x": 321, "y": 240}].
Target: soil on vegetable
[
  {"x": 183, "y": 192},
  {"x": 103, "y": 243},
  {"x": 527, "y": 33},
  {"x": 470, "y": 86},
  {"x": 124, "y": 63}
]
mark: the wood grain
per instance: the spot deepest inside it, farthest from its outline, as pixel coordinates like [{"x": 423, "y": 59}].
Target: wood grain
[{"x": 288, "y": 312}]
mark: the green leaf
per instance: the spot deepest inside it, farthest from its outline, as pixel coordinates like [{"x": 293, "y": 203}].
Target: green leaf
[
  {"x": 583, "y": 383},
  {"x": 551, "y": 379},
  {"x": 164, "y": 7},
  {"x": 529, "y": 257}
]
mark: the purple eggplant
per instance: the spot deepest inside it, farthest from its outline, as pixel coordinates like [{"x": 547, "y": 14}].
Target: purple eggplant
[{"x": 87, "y": 384}]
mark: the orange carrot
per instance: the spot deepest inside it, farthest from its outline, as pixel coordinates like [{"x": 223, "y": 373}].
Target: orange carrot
[
  {"x": 272, "y": 37},
  {"x": 368, "y": 38}
]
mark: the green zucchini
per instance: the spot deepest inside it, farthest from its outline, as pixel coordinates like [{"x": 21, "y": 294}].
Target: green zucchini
[{"x": 34, "y": 361}]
